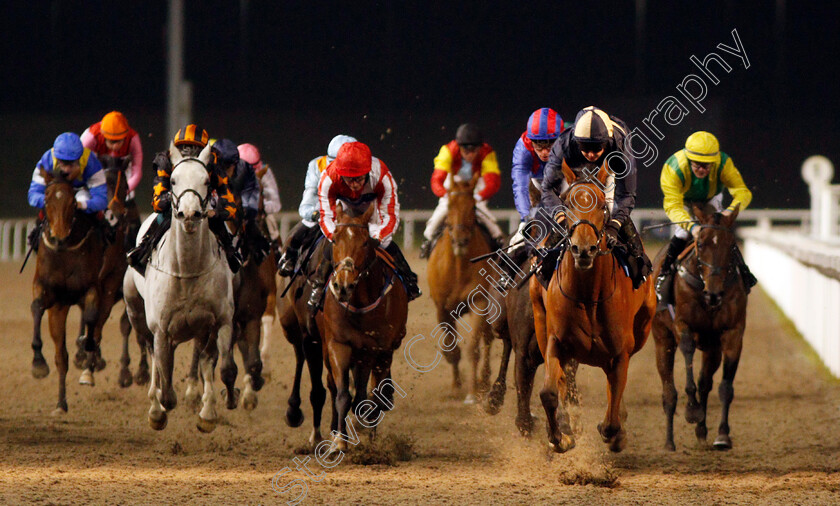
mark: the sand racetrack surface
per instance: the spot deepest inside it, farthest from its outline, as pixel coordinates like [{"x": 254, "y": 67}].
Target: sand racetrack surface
[{"x": 785, "y": 421}]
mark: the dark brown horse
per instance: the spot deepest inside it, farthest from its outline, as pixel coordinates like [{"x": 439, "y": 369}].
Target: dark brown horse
[
  {"x": 710, "y": 314},
  {"x": 365, "y": 313},
  {"x": 515, "y": 328},
  {"x": 66, "y": 274},
  {"x": 590, "y": 313},
  {"x": 302, "y": 332},
  {"x": 452, "y": 277}
]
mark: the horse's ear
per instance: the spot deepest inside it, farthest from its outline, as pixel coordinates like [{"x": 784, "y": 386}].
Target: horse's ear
[
  {"x": 603, "y": 175},
  {"x": 568, "y": 173},
  {"x": 339, "y": 212},
  {"x": 699, "y": 212},
  {"x": 734, "y": 214},
  {"x": 48, "y": 177},
  {"x": 174, "y": 154},
  {"x": 368, "y": 213},
  {"x": 205, "y": 154}
]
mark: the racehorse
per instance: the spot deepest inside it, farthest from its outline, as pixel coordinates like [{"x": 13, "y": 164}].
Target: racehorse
[
  {"x": 710, "y": 313},
  {"x": 515, "y": 327},
  {"x": 304, "y": 334},
  {"x": 252, "y": 286},
  {"x": 111, "y": 273},
  {"x": 452, "y": 277},
  {"x": 187, "y": 293},
  {"x": 589, "y": 312},
  {"x": 66, "y": 274},
  {"x": 365, "y": 313}
]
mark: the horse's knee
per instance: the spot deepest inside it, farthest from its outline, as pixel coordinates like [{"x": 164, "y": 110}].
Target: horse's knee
[{"x": 669, "y": 400}]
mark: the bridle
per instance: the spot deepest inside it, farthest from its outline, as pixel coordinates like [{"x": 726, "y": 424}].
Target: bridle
[
  {"x": 176, "y": 198},
  {"x": 715, "y": 270},
  {"x": 348, "y": 265}
]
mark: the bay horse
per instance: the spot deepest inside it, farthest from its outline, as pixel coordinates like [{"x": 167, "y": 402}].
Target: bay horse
[
  {"x": 111, "y": 273},
  {"x": 66, "y": 274},
  {"x": 304, "y": 333},
  {"x": 452, "y": 277},
  {"x": 365, "y": 313},
  {"x": 710, "y": 314},
  {"x": 515, "y": 327},
  {"x": 590, "y": 313},
  {"x": 187, "y": 293}
]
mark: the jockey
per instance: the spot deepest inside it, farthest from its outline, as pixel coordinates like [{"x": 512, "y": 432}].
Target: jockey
[
  {"x": 466, "y": 155},
  {"x": 189, "y": 140},
  {"x": 586, "y": 147},
  {"x": 306, "y": 232},
  {"x": 357, "y": 179},
  {"x": 242, "y": 181},
  {"x": 530, "y": 156},
  {"x": 268, "y": 186},
  {"x": 697, "y": 174},
  {"x": 112, "y": 136},
  {"x": 77, "y": 164}
]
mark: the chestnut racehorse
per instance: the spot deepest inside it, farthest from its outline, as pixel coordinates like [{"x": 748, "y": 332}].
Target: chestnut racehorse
[
  {"x": 66, "y": 274},
  {"x": 710, "y": 314},
  {"x": 452, "y": 277},
  {"x": 590, "y": 313},
  {"x": 365, "y": 313}
]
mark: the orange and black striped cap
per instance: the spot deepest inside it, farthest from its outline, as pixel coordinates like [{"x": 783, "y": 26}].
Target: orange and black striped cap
[{"x": 191, "y": 135}]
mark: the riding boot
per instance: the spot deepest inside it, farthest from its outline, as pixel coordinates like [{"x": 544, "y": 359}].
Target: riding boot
[
  {"x": 516, "y": 256},
  {"x": 234, "y": 259},
  {"x": 319, "y": 281},
  {"x": 631, "y": 238},
  {"x": 34, "y": 236},
  {"x": 404, "y": 271},
  {"x": 747, "y": 276},
  {"x": 665, "y": 280},
  {"x": 286, "y": 263},
  {"x": 139, "y": 255},
  {"x": 259, "y": 245}
]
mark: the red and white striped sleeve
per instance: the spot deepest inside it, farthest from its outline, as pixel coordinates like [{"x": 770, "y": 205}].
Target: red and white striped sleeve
[
  {"x": 389, "y": 206},
  {"x": 326, "y": 203}
]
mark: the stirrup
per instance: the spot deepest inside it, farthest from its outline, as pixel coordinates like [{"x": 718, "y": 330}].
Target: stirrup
[{"x": 286, "y": 264}]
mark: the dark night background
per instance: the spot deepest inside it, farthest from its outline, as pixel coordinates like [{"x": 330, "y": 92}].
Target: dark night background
[{"x": 401, "y": 76}]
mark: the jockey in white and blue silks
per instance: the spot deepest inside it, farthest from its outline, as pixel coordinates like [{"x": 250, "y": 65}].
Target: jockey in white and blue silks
[{"x": 307, "y": 230}]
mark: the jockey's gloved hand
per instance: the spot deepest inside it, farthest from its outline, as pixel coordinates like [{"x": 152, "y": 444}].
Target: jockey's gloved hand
[
  {"x": 315, "y": 216},
  {"x": 611, "y": 231}
]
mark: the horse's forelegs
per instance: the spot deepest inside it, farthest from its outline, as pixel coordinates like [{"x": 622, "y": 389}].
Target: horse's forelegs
[
  {"x": 553, "y": 391},
  {"x": 249, "y": 346},
  {"x": 732, "y": 344},
  {"x": 572, "y": 395},
  {"x": 40, "y": 369},
  {"x": 229, "y": 370},
  {"x": 339, "y": 359},
  {"x": 666, "y": 348},
  {"x": 157, "y": 416},
  {"x": 361, "y": 376},
  {"x": 125, "y": 360},
  {"x": 208, "y": 354},
  {"x": 192, "y": 394},
  {"x": 524, "y": 371},
  {"x": 611, "y": 430},
  {"x": 318, "y": 394},
  {"x": 496, "y": 396},
  {"x": 90, "y": 319},
  {"x": 711, "y": 362},
  {"x": 687, "y": 347},
  {"x": 164, "y": 362},
  {"x": 472, "y": 348},
  {"x": 58, "y": 329},
  {"x": 294, "y": 416},
  {"x": 485, "y": 344},
  {"x": 267, "y": 324}
]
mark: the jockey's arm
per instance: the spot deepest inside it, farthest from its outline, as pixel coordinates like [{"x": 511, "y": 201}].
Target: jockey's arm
[
  {"x": 270, "y": 192},
  {"x": 673, "y": 203},
  {"x": 520, "y": 173},
  {"x": 135, "y": 149},
  {"x": 226, "y": 205},
  {"x": 161, "y": 200},
  {"x": 388, "y": 207},
  {"x": 309, "y": 202},
  {"x": 38, "y": 186},
  {"x": 491, "y": 175},
  {"x": 326, "y": 203},
  {"x": 250, "y": 192},
  {"x": 624, "y": 176},
  {"x": 94, "y": 178},
  {"x": 443, "y": 166},
  {"x": 731, "y": 177},
  {"x": 552, "y": 179}
]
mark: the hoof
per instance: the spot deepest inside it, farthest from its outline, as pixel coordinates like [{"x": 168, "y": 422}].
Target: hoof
[
  {"x": 250, "y": 401},
  {"x": 159, "y": 423},
  {"x": 231, "y": 401},
  {"x": 619, "y": 442},
  {"x": 266, "y": 374},
  {"x": 59, "y": 411},
  {"x": 80, "y": 359},
  {"x": 99, "y": 363},
  {"x": 722, "y": 442},
  {"x": 40, "y": 369},
  {"x": 565, "y": 444},
  {"x": 315, "y": 438},
  {"x": 495, "y": 400},
  {"x": 294, "y": 417},
  {"x": 693, "y": 413},
  {"x": 205, "y": 426},
  {"x": 192, "y": 398},
  {"x": 469, "y": 399},
  {"x": 87, "y": 378},
  {"x": 141, "y": 377},
  {"x": 670, "y": 446},
  {"x": 338, "y": 444},
  {"x": 125, "y": 378}
]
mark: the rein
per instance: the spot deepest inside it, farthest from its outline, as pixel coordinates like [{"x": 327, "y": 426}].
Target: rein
[
  {"x": 589, "y": 302},
  {"x": 697, "y": 281},
  {"x": 56, "y": 247}
]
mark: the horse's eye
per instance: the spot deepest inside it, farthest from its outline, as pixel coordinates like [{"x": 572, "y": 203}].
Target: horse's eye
[
  {"x": 172, "y": 181},
  {"x": 207, "y": 183}
]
